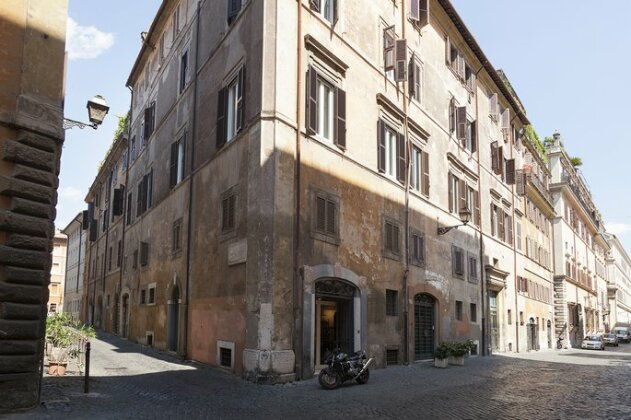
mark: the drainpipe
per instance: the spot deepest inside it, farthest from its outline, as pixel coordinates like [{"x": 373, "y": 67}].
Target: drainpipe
[
  {"x": 514, "y": 252},
  {"x": 123, "y": 229},
  {"x": 298, "y": 273},
  {"x": 78, "y": 259},
  {"x": 406, "y": 242},
  {"x": 483, "y": 307},
  {"x": 189, "y": 254}
]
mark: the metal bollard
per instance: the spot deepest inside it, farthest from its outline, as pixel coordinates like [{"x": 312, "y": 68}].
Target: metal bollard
[{"x": 86, "y": 385}]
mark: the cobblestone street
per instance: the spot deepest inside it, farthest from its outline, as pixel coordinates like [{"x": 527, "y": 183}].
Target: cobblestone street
[{"x": 130, "y": 381}]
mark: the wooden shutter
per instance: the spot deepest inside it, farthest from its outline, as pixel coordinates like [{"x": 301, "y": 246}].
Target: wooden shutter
[
  {"x": 401, "y": 54},
  {"x": 510, "y": 171},
  {"x": 330, "y": 217},
  {"x": 320, "y": 210},
  {"x": 423, "y": 13},
  {"x": 472, "y": 83},
  {"x": 395, "y": 239},
  {"x": 520, "y": 181},
  {"x": 447, "y": 51},
  {"x": 139, "y": 199},
  {"x": 509, "y": 230},
  {"x": 241, "y": 99},
  {"x": 494, "y": 153},
  {"x": 381, "y": 146},
  {"x": 461, "y": 66},
  {"x": 500, "y": 223},
  {"x": 506, "y": 120},
  {"x": 312, "y": 101},
  {"x": 340, "y": 118},
  {"x": 85, "y": 221},
  {"x": 476, "y": 213},
  {"x": 146, "y": 130},
  {"x": 425, "y": 173},
  {"x": 173, "y": 165},
  {"x": 493, "y": 105},
  {"x": 452, "y": 115},
  {"x": 414, "y": 10},
  {"x": 221, "y": 117},
  {"x": 461, "y": 124},
  {"x": 462, "y": 193},
  {"x": 150, "y": 189},
  {"x": 117, "y": 209},
  {"x": 388, "y": 48},
  {"x": 412, "y": 75},
  {"x": 474, "y": 136},
  {"x": 451, "y": 192},
  {"x": 401, "y": 166},
  {"x": 493, "y": 219},
  {"x": 315, "y": 5},
  {"x": 501, "y": 162}
]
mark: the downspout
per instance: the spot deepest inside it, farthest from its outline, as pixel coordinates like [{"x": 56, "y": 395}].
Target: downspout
[
  {"x": 406, "y": 242},
  {"x": 79, "y": 257},
  {"x": 483, "y": 307},
  {"x": 298, "y": 273},
  {"x": 189, "y": 254},
  {"x": 95, "y": 273},
  {"x": 514, "y": 254},
  {"x": 123, "y": 267}
]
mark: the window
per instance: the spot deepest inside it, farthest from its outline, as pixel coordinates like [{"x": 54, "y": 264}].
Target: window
[
  {"x": 143, "y": 296},
  {"x": 493, "y": 107},
  {"x": 327, "y": 8},
  {"x": 133, "y": 148},
  {"x": 177, "y": 235},
  {"x": 473, "y": 269},
  {"x": 457, "y": 194},
  {"x": 144, "y": 253},
  {"x": 459, "y": 310},
  {"x": 228, "y": 211},
  {"x": 415, "y": 78},
  {"x": 183, "y": 71},
  {"x": 326, "y": 214},
  {"x": 417, "y": 248},
  {"x": 392, "y": 300},
  {"x": 473, "y": 204},
  {"x": 149, "y": 122},
  {"x": 177, "y": 162},
  {"x": 234, "y": 7},
  {"x": 420, "y": 171},
  {"x": 518, "y": 238},
  {"x": 129, "y": 204},
  {"x": 458, "y": 261},
  {"x": 471, "y": 143},
  {"x": 152, "y": 294},
  {"x": 176, "y": 22},
  {"x": 326, "y": 109},
  {"x": 389, "y": 37},
  {"x": 119, "y": 254},
  {"x": 145, "y": 194},
  {"x": 509, "y": 317},
  {"x": 455, "y": 60},
  {"x": 391, "y": 156},
  {"x": 452, "y": 115},
  {"x": 521, "y": 318},
  {"x": 109, "y": 260},
  {"x": 473, "y": 309},
  {"x": 225, "y": 357},
  {"x": 391, "y": 237},
  {"x": 497, "y": 159},
  {"x": 508, "y": 229},
  {"x": 230, "y": 109},
  {"x": 134, "y": 261}
]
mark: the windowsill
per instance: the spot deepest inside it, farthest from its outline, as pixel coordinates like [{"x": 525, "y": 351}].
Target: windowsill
[
  {"x": 228, "y": 234},
  {"x": 417, "y": 263},
  {"x": 391, "y": 255},
  {"x": 330, "y": 239}
]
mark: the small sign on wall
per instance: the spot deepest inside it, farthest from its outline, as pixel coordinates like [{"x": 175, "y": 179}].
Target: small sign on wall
[{"x": 237, "y": 252}]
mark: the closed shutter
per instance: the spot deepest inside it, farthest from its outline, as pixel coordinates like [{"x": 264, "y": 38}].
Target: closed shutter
[
  {"x": 520, "y": 183},
  {"x": 312, "y": 101},
  {"x": 221, "y": 117},
  {"x": 500, "y": 161},
  {"x": 423, "y": 13},
  {"x": 494, "y": 154},
  {"x": 500, "y": 224},
  {"x": 510, "y": 171},
  {"x": 340, "y": 118},
  {"x": 173, "y": 166},
  {"x": 388, "y": 48},
  {"x": 452, "y": 115},
  {"x": 461, "y": 124},
  {"x": 493, "y": 219},
  {"x": 425, "y": 173},
  {"x": 146, "y": 128},
  {"x": 93, "y": 230},
  {"x": 509, "y": 236},
  {"x": 139, "y": 199},
  {"x": 414, "y": 10},
  {"x": 388, "y": 236},
  {"x": 506, "y": 120},
  {"x": 150, "y": 189},
  {"x": 118, "y": 202},
  {"x": 476, "y": 214},
  {"x": 474, "y": 136},
  {"x": 234, "y": 6},
  {"x": 85, "y": 221},
  {"x": 459, "y": 261},
  {"x": 315, "y": 5},
  {"x": 320, "y": 214},
  {"x": 447, "y": 51},
  {"x": 451, "y": 192},
  {"x": 493, "y": 106},
  {"x": 330, "y": 217},
  {"x": 241, "y": 99},
  {"x": 395, "y": 239},
  {"x": 412, "y": 75},
  {"x": 381, "y": 146},
  {"x": 472, "y": 82},
  {"x": 401, "y": 166},
  {"x": 401, "y": 54}
]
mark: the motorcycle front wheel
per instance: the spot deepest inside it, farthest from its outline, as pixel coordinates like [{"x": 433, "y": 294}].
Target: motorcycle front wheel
[
  {"x": 329, "y": 379},
  {"x": 363, "y": 378}
]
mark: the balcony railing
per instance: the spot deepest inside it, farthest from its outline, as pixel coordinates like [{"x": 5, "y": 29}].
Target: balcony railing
[{"x": 536, "y": 182}]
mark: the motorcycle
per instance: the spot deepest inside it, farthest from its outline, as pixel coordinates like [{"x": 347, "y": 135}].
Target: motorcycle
[
  {"x": 559, "y": 342},
  {"x": 342, "y": 368}
]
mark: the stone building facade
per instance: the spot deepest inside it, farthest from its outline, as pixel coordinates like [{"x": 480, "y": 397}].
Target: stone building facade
[
  {"x": 75, "y": 263},
  {"x": 57, "y": 273},
  {"x": 32, "y": 43},
  {"x": 619, "y": 284},
  {"x": 289, "y": 167},
  {"x": 580, "y": 251}
]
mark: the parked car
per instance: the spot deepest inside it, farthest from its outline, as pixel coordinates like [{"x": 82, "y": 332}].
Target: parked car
[
  {"x": 594, "y": 342},
  {"x": 611, "y": 339},
  {"x": 623, "y": 334}
]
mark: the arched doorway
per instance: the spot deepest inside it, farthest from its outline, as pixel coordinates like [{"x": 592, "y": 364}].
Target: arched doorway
[
  {"x": 173, "y": 319},
  {"x": 125, "y": 316},
  {"x": 424, "y": 326},
  {"x": 532, "y": 334},
  {"x": 334, "y": 317}
]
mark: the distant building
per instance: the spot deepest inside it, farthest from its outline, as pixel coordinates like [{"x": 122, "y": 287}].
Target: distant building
[
  {"x": 619, "y": 283},
  {"x": 57, "y": 273},
  {"x": 75, "y": 263}
]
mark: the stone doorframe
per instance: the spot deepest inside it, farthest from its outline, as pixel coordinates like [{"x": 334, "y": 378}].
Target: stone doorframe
[{"x": 327, "y": 271}]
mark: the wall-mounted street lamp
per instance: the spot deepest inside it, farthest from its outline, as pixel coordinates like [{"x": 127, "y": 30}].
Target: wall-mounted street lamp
[
  {"x": 465, "y": 217},
  {"x": 97, "y": 110}
]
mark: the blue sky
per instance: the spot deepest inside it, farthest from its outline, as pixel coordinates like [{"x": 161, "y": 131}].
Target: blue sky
[
  {"x": 567, "y": 59},
  {"x": 103, "y": 41}
]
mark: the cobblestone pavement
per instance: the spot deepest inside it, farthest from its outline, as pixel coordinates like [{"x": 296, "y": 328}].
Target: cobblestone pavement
[{"x": 134, "y": 382}]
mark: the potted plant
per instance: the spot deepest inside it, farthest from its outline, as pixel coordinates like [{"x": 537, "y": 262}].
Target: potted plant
[
  {"x": 59, "y": 339},
  {"x": 458, "y": 350},
  {"x": 441, "y": 355}
]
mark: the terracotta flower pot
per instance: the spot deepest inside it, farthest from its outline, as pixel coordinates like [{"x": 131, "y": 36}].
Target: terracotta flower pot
[{"x": 56, "y": 369}]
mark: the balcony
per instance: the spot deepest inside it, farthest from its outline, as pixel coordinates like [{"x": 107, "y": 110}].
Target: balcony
[
  {"x": 589, "y": 209},
  {"x": 538, "y": 185}
]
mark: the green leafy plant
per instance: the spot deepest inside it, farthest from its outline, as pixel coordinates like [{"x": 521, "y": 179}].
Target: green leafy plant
[
  {"x": 534, "y": 139},
  {"x": 576, "y": 161},
  {"x": 442, "y": 351},
  {"x": 65, "y": 337},
  {"x": 459, "y": 348}
]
